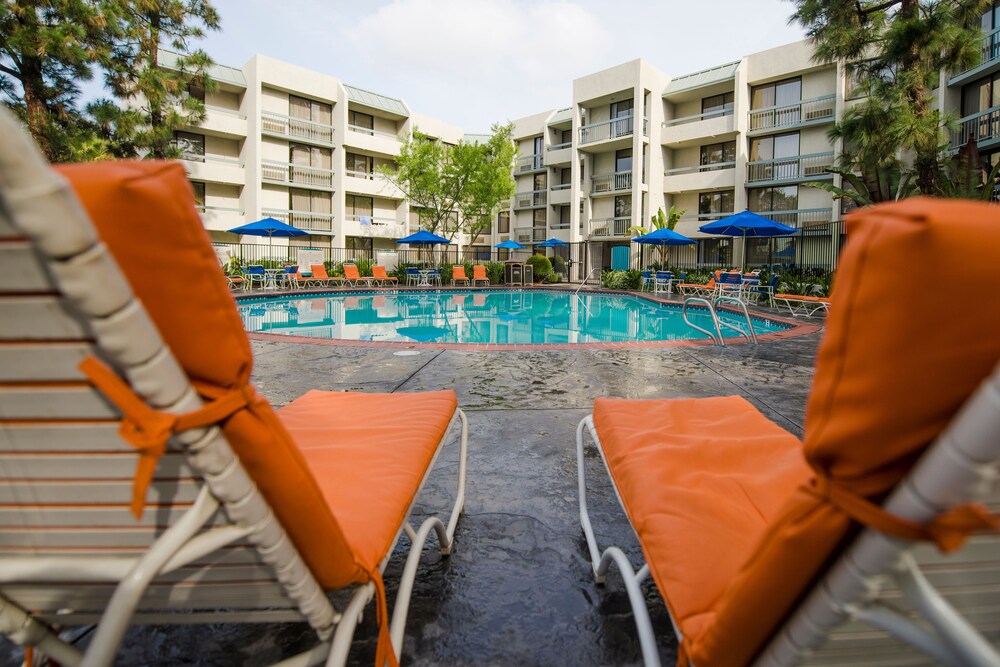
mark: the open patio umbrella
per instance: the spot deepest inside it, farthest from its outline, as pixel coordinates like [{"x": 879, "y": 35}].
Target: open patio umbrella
[
  {"x": 423, "y": 238},
  {"x": 663, "y": 237},
  {"x": 746, "y": 224},
  {"x": 269, "y": 227},
  {"x": 552, "y": 243},
  {"x": 510, "y": 244}
]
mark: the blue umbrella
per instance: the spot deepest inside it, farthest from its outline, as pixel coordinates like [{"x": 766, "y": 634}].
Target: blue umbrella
[
  {"x": 269, "y": 227},
  {"x": 552, "y": 243},
  {"x": 664, "y": 236},
  {"x": 746, "y": 224},
  {"x": 510, "y": 244},
  {"x": 787, "y": 252},
  {"x": 424, "y": 237},
  {"x": 422, "y": 334}
]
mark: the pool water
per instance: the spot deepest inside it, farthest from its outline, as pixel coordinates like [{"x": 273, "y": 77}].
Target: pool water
[{"x": 500, "y": 317}]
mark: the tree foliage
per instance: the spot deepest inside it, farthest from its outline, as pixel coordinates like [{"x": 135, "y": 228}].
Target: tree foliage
[
  {"x": 660, "y": 221},
  {"x": 896, "y": 50},
  {"x": 455, "y": 187}
]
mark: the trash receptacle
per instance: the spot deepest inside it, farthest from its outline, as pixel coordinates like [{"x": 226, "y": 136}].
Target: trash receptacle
[
  {"x": 529, "y": 274},
  {"x": 513, "y": 273}
]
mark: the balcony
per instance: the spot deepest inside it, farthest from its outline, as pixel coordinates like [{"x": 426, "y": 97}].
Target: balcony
[
  {"x": 610, "y": 228},
  {"x": 372, "y": 141},
  {"x": 213, "y": 168},
  {"x": 287, "y": 173},
  {"x": 374, "y": 227},
  {"x": 529, "y": 234},
  {"x": 559, "y": 153},
  {"x": 790, "y": 169},
  {"x": 286, "y": 127},
  {"x": 560, "y": 194},
  {"x": 606, "y": 184},
  {"x": 528, "y": 163},
  {"x": 701, "y": 177},
  {"x": 815, "y": 111},
  {"x": 220, "y": 218},
  {"x": 982, "y": 127},
  {"x": 806, "y": 219},
  {"x": 533, "y": 199},
  {"x": 305, "y": 220},
  {"x": 695, "y": 129},
  {"x": 221, "y": 122},
  {"x": 989, "y": 58},
  {"x": 616, "y": 130}
]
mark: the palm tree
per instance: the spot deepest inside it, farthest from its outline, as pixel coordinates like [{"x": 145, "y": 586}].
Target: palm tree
[{"x": 661, "y": 220}]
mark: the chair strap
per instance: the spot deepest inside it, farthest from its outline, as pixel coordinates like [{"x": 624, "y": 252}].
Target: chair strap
[
  {"x": 384, "y": 652},
  {"x": 948, "y": 530},
  {"x": 148, "y": 429}
]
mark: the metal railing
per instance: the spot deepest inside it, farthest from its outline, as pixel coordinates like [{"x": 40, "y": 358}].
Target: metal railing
[
  {"x": 372, "y": 132},
  {"x": 616, "y": 182},
  {"x": 610, "y": 227},
  {"x": 560, "y": 186},
  {"x": 789, "y": 168},
  {"x": 530, "y": 199},
  {"x": 529, "y": 234},
  {"x": 559, "y": 225},
  {"x": 353, "y": 173},
  {"x": 989, "y": 51},
  {"x": 559, "y": 147},
  {"x": 607, "y": 129},
  {"x": 295, "y": 128},
  {"x": 683, "y": 120},
  {"x": 529, "y": 163},
  {"x": 202, "y": 208},
  {"x": 982, "y": 126},
  {"x": 219, "y": 159},
  {"x": 288, "y": 172},
  {"x": 306, "y": 220},
  {"x": 806, "y": 111},
  {"x": 803, "y": 218},
  {"x": 715, "y": 166}
]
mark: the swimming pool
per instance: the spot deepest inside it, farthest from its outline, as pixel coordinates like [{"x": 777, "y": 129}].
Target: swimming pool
[{"x": 496, "y": 317}]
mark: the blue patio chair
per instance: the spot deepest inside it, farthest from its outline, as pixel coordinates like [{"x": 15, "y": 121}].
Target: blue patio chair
[
  {"x": 412, "y": 275},
  {"x": 765, "y": 291},
  {"x": 648, "y": 281},
  {"x": 435, "y": 277},
  {"x": 730, "y": 284},
  {"x": 664, "y": 281},
  {"x": 255, "y": 273},
  {"x": 289, "y": 276}
]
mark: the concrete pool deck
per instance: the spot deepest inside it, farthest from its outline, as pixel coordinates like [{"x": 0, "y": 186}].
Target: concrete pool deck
[{"x": 517, "y": 590}]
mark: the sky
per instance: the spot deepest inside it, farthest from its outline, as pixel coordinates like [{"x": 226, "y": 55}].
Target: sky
[{"x": 473, "y": 63}]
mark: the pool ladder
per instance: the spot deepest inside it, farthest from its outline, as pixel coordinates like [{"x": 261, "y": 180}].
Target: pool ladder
[{"x": 710, "y": 306}]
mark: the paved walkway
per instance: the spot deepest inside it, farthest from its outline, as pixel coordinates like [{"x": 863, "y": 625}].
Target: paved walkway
[{"x": 517, "y": 589}]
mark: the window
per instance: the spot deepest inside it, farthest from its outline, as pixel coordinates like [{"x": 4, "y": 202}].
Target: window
[
  {"x": 539, "y": 181},
  {"x": 764, "y": 200},
  {"x": 311, "y": 110},
  {"x": 715, "y": 203},
  {"x": 718, "y": 153},
  {"x": 981, "y": 95},
  {"x": 360, "y": 166},
  {"x": 623, "y": 160},
  {"x": 989, "y": 23},
  {"x": 538, "y": 145},
  {"x": 191, "y": 146},
  {"x": 309, "y": 201},
  {"x": 503, "y": 222},
  {"x": 777, "y": 94},
  {"x": 621, "y": 109},
  {"x": 716, "y": 251},
  {"x": 199, "y": 194},
  {"x": 777, "y": 156},
  {"x": 717, "y": 105},
  {"x": 564, "y": 217},
  {"x": 356, "y": 205},
  {"x": 623, "y": 206},
  {"x": 361, "y": 121},
  {"x": 538, "y": 219},
  {"x": 310, "y": 156},
  {"x": 358, "y": 243}
]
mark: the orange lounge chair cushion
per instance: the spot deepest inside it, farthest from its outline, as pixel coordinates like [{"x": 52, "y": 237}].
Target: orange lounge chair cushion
[
  {"x": 803, "y": 297},
  {"x": 898, "y": 360},
  {"x": 351, "y": 272},
  {"x": 379, "y": 273},
  {"x": 700, "y": 480},
  {"x": 479, "y": 272},
  {"x": 369, "y": 454},
  {"x": 319, "y": 273},
  {"x": 458, "y": 273},
  {"x": 144, "y": 212}
]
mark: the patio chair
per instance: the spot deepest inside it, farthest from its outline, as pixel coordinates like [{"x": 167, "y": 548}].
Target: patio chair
[
  {"x": 663, "y": 281},
  {"x": 802, "y": 304},
  {"x": 290, "y": 276},
  {"x": 434, "y": 277},
  {"x": 458, "y": 275},
  {"x": 380, "y": 277},
  {"x": 244, "y": 514},
  {"x": 708, "y": 289},
  {"x": 255, "y": 274},
  {"x": 237, "y": 282},
  {"x": 647, "y": 281},
  {"x": 844, "y": 548},
  {"x": 354, "y": 278},
  {"x": 479, "y": 275},
  {"x": 412, "y": 275},
  {"x": 760, "y": 291},
  {"x": 320, "y": 278}
]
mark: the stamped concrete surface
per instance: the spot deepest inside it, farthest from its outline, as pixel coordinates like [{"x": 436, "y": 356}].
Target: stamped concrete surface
[{"x": 518, "y": 589}]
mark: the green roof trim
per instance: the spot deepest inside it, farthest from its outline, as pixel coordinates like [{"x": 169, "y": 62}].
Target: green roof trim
[
  {"x": 376, "y": 101},
  {"x": 220, "y": 73},
  {"x": 705, "y": 77},
  {"x": 561, "y": 116}
]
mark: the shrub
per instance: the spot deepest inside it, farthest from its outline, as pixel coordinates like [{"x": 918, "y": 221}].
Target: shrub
[
  {"x": 623, "y": 280},
  {"x": 494, "y": 271},
  {"x": 558, "y": 264},
  {"x": 541, "y": 266},
  {"x": 553, "y": 277},
  {"x": 446, "y": 273}
]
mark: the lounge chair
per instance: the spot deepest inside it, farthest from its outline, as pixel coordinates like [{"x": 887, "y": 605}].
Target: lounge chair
[
  {"x": 353, "y": 277},
  {"x": 708, "y": 289},
  {"x": 380, "y": 277},
  {"x": 479, "y": 275},
  {"x": 458, "y": 275},
  {"x": 801, "y": 304},
  {"x": 236, "y": 282},
  {"x": 772, "y": 551},
  {"x": 245, "y": 515},
  {"x": 320, "y": 278}
]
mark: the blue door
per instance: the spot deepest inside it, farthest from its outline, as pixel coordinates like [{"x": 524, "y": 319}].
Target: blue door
[{"x": 620, "y": 258}]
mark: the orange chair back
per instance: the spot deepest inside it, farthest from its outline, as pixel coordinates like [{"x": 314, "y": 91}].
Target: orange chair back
[
  {"x": 319, "y": 271},
  {"x": 458, "y": 273},
  {"x": 351, "y": 272},
  {"x": 479, "y": 272},
  {"x": 379, "y": 272}
]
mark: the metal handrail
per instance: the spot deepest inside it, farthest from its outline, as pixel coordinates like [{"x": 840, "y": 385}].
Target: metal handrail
[
  {"x": 752, "y": 336},
  {"x": 717, "y": 336}
]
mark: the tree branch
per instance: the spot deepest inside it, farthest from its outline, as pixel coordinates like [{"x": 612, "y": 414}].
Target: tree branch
[{"x": 865, "y": 11}]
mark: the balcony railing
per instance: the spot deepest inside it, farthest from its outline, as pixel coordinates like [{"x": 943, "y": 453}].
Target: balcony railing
[
  {"x": 698, "y": 117},
  {"x": 989, "y": 51},
  {"x": 803, "y": 218},
  {"x": 561, "y": 186},
  {"x": 218, "y": 159},
  {"x": 559, "y": 225},
  {"x": 794, "y": 168},
  {"x": 306, "y": 220},
  {"x": 806, "y": 111},
  {"x": 616, "y": 182},
  {"x": 608, "y": 129},
  {"x": 529, "y": 234},
  {"x": 530, "y": 199},
  {"x": 218, "y": 209},
  {"x": 610, "y": 227},
  {"x": 982, "y": 126},
  {"x": 295, "y": 128},
  {"x": 529, "y": 163},
  {"x": 286, "y": 172},
  {"x": 715, "y": 166},
  {"x": 372, "y": 132},
  {"x": 359, "y": 174},
  {"x": 559, "y": 147}
]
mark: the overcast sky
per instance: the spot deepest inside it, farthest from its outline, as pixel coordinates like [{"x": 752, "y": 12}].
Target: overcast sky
[{"x": 475, "y": 62}]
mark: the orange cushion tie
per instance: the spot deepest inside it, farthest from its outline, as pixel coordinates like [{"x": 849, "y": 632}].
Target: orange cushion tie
[
  {"x": 148, "y": 429},
  {"x": 948, "y": 530},
  {"x": 384, "y": 652}
]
